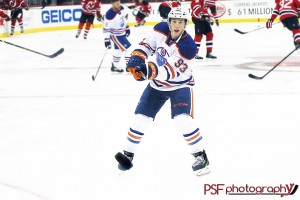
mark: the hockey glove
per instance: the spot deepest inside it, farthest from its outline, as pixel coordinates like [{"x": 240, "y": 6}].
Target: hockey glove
[
  {"x": 144, "y": 71},
  {"x": 269, "y": 23},
  {"x": 107, "y": 43},
  {"x": 7, "y": 18},
  {"x": 148, "y": 71},
  {"x": 207, "y": 18},
  {"x": 127, "y": 31},
  {"x": 44, "y": 3},
  {"x": 137, "y": 58},
  {"x": 100, "y": 18},
  {"x": 217, "y": 22},
  {"x": 26, "y": 8}
]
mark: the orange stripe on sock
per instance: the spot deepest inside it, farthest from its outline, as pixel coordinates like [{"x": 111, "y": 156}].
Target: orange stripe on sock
[
  {"x": 192, "y": 138},
  {"x": 134, "y": 136}
]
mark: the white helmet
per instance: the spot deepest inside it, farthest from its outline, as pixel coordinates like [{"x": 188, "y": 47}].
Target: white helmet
[{"x": 178, "y": 13}]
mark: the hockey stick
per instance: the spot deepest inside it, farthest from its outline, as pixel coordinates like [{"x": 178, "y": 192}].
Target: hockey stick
[
  {"x": 244, "y": 32},
  {"x": 261, "y": 77},
  {"x": 94, "y": 76},
  {"x": 49, "y": 56}
]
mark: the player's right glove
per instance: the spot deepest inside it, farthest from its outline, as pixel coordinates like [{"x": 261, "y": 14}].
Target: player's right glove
[
  {"x": 44, "y": 3},
  {"x": 217, "y": 22},
  {"x": 207, "y": 18},
  {"x": 100, "y": 18},
  {"x": 269, "y": 23},
  {"x": 127, "y": 31},
  {"x": 7, "y": 18},
  {"x": 107, "y": 43},
  {"x": 137, "y": 59}
]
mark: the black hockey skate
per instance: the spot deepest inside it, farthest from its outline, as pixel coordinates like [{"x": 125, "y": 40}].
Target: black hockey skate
[
  {"x": 124, "y": 160},
  {"x": 198, "y": 57},
  {"x": 209, "y": 55},
  {"x": 201, "y": 165},
  {"x": 115, "y": 69}
]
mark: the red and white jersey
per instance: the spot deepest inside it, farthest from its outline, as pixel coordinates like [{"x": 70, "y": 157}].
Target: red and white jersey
[
  {"x": 170, "y": 4},
  {"x": 143, "y": 7},
  {"x": 201, "y": 6},
  {"x": 286, "y": 8},
  {"x": 2, "y": 14},
  {"x": 91, "y": 7},
  {"x": 14, "y": 5}
]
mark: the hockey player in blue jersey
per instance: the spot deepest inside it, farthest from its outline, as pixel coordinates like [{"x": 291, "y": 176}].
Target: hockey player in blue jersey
[
  {"x": 171, "y": 78},
  {"x": 116, "y": 30}
]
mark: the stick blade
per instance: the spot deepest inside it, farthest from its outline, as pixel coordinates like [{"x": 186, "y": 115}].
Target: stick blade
[
  {"x": 93, "y": 78},
  {"x": 240, "y": 32},
  {"x": 57, "y": 53},
  {"x": 255, "y": 77}
]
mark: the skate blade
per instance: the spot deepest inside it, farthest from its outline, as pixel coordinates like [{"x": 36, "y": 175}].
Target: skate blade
[
  {"x": 116, "y": 73},
  {"x": 202, "y": 172}
]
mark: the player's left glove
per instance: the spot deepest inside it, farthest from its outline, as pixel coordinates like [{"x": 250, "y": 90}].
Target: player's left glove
[
  {"x": 269, "y": 23},
  {"x": 127, "y": 31},
  {"x": 107, "y": 43}
]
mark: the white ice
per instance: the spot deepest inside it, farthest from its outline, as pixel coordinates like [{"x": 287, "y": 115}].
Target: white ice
[{"x": 59, "y": 130}]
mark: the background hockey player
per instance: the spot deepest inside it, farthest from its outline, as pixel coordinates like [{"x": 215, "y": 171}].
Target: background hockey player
[
  {"x": 3, "y": 15},
  {"x": 171, "y": 78},
  {"x": 116, "y": 31},
  {"x": 165, "y": 7},
  {"x": 16, "y": 13},
  {"x": 90, "y": 8},
  {"x": 144, "y": 9},
  {"x": 203, "y": 22},
  {"x": 288, "y": 12}
]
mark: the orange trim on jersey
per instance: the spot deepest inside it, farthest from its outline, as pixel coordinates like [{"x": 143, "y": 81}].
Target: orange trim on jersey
[
  {"x": 163, "y": 83},
  {"x": 192, "y": 138},
  {"x": 116, "y": 41},
  {"x": 171, "y": 69},
  {"x": 134, "y": 136},
  {"x": 192, "y": 103}
]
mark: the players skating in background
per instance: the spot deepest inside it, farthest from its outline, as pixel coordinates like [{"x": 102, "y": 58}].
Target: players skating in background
[
  {"x": 171, "y": 78},
  {"x": 143, "y": 10},
  {"x": 89, "y": 9},
  {"x": 16, "y": 13},
  {"x": 116, "y": 30},
  {"x": 288, "y": 12},
  {"x": 203, "y": 22},
  {"x": 165, "y": 7}
]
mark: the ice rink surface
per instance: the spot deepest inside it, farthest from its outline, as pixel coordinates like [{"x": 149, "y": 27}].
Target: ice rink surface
[{"x": 59, "y": 130}]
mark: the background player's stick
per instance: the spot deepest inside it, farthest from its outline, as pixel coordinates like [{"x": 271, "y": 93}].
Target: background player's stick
[
  {"x": 94, "y": 76},
  {"x": 261, "y": 77},
  {"x": 244, "y": 32},
  {"x": 49, "y": 56}
]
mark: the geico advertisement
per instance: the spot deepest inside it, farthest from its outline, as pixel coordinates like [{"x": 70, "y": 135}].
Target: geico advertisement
[{"x": 54, "y": 16}]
